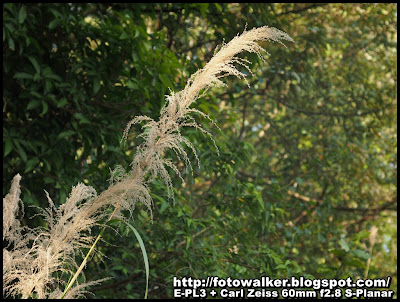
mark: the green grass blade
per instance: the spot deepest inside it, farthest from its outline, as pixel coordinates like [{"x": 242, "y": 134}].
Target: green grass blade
[{"x": 145, "y": 258}]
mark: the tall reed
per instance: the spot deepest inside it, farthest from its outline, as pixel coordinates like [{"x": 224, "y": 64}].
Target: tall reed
[{"x": 36, "y": 259}]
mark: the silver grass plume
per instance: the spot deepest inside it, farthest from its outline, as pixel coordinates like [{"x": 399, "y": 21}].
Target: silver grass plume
[
  {"x": 165, "y": 133},
  {"x": 36, "y": 257}
]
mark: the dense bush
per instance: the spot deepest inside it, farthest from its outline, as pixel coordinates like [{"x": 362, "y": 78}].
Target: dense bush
[{"x": 307, "y": 155}]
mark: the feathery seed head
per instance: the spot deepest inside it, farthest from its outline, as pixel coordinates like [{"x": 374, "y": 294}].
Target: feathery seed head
[
  {"x": 33, "y": 260},
  {"x": 176, "y": 113}
]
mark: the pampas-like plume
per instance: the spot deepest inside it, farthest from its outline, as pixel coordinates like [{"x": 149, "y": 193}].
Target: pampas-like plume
[
  {"x": 35, "y": 259},
  {"x": 31, "y": 266},
  {"x": 165, "y": 133},
  {"x": 11, "y": 225}
]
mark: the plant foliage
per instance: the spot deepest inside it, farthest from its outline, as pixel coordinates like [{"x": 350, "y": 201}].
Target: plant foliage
[{"x": 304, "y": 179}]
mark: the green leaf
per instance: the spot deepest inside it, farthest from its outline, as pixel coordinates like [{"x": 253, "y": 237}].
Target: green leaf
[
  {"x": 121, "y": 268},
  {"x": 135, "y": 57},
  {"x": 283, "y": 266},
  {"x": 164, "y": 206},
  {"x": 82, "y": 119},
  {"x": 132, "y": 85},
  {"x": 30, "y": 164},
  {"x": 48, "y": 180},
  {"x": 74, "y": 124},
  {"x": 36, "y": 77},
  {"x": 33, "y": 104},
  {"x": 137, "y": 32},
  {"x": 7, "y": 147},
  {"x": 165, "y": 80},
  {"x": 35, "y": 64},
  {"x": 31, "y": 145},
  {"x": 22, "y": 14},
  {"x": 188, "y": 241},
  {"x": 47, "y": 86},
  {"x": 22, "y": 75},
  {"x": 146, "y": 45},
  {"x": 361, "y": 254},
  {"x": 62, "y": 102},
  {"x": 53, "y": 24},
  {"x": 96, "y": 85},
  {"x": 54, "y": 77},
  {"x": 45, "y": 107},
  {"x": 10, "y": 27},
  {"x": 343, "y": 244},
  {"x": 123, "y": 36},
  {"x": 260, "y": 200},
  {"x": 204, "y": 9},
  {"x": 56, "y": 13},
  {"x": 47, "y": 165},
  {"x": 299, "y": 180},
  {"x": 65, "y": 134},
  {"x": 219, "y": 8},
  {"x": 164, "y": 203},
  {"x": 11, "y": 44},
  {"x": 354, "y": 262},
  {"x": 20, "y": 151}
]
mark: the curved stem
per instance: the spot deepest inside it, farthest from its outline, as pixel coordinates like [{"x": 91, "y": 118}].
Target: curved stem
[{"x": 86, "y": 258}]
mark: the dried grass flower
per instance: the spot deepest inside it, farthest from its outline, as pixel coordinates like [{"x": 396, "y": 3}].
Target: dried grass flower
[{"x": 35, "y": 260}]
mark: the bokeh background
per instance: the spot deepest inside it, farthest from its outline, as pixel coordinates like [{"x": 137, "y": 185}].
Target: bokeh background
[{"x": 305, "y": 182}]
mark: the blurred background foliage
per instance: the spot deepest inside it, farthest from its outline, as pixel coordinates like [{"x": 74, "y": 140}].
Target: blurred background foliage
[{"x": 308, "y": 154}]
